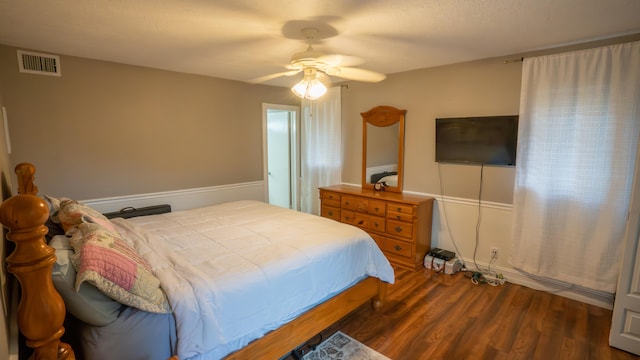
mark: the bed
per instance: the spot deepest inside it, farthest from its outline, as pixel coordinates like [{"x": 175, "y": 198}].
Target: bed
[
  {"x": 388, "y": 178},
  {"x": 241, "y": 280}
]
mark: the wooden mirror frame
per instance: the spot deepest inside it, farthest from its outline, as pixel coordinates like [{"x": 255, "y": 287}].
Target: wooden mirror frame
[{"x": 383, "y": 116}]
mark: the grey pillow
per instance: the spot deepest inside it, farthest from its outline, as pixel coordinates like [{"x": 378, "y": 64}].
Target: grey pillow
[{"x": 89, "y": 305}]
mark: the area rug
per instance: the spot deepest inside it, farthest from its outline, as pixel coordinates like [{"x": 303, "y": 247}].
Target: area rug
[{"x": 341, "y": 347}]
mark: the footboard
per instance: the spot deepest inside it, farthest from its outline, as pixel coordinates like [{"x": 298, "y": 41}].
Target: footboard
[
  {"x": 41, "y": 310},
  {"x": 279, "y": 342}
]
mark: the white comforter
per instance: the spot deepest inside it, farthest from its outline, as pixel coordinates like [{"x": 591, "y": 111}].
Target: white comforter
[{"x": 235, "y": 271}]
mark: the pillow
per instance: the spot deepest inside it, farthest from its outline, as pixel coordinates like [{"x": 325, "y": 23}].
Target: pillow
[
  {"x": 391, "y": 180},
  {"x": 72, "y": 213},
  {"x": 87, "y": 304},
  {"x": 113, "y": 266}
]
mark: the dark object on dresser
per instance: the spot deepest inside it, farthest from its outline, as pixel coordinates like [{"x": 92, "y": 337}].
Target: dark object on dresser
[{"x": 130, "y": 212}]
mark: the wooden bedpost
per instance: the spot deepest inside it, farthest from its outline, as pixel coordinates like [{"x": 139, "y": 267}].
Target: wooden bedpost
[
  {"x": 41, "y": 310},
  {"x": 378, "y": 300}
]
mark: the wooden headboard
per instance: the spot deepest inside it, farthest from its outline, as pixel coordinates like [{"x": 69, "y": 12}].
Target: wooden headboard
[{"x": 41, "y": 310}]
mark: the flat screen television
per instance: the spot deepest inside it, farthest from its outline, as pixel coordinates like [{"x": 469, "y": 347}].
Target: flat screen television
[{"x": 489, "y": 140}]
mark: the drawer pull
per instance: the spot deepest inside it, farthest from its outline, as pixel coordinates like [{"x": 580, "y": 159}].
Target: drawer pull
[
  {"x": 346, "y": 203},
  {"x": 399, "y": 210},
  {"x": 347, "y": 218},
  {"x": 398, "y": 229},
  {"x": 376, "y": 225},
  {"x": 330, "y": 213},
  {"x": 377, "y": 209},
  {"x": 398, "y": 217},
  {"x": 361, "y": 222},
  {"x": 398, "y": 247}
]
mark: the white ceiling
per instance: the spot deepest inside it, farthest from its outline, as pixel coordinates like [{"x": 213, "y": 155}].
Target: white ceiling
[{"x": 245, "y": 39}]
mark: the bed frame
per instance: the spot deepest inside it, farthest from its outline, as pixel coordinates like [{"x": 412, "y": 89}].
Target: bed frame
[{"x": 41, "y": 310}]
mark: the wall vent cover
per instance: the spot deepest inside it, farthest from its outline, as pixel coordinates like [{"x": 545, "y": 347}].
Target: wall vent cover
[{"x": 38, "y": 63}]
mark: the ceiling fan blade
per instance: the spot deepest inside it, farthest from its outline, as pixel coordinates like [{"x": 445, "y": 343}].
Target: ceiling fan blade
[
  {"x": 295, "y": 66},
  {"x": 273, "y": 76},
  {"x": 324, "y": 78},
  {"x": 334, "y": 60},
  {"x": 356, "y": 74}
]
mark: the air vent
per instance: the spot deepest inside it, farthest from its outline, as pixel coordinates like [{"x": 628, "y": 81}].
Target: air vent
[{"x": 38, "y": 63}]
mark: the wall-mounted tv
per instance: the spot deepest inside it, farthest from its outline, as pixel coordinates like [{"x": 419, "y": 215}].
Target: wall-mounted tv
[{"x": 489, "y": 140}]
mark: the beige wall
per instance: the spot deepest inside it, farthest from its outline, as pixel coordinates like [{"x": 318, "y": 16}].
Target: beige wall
[
  {"x": 487, "y": 87},
  {"x": 104, "y": 129},
  {"x": 478, "y": 88}
]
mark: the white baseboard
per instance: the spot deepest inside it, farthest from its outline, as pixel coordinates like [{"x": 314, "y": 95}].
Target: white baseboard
[
  {"x": 456, "y": 200},
  {"x": 183, "y": 199},
  {"x": 514, "y": 276},
  {"x": 570, "y": 291},
  {"x": 192, "y": 198}
]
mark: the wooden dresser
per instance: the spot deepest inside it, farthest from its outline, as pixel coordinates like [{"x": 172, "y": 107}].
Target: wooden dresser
[{"x": 399, "y": 223}]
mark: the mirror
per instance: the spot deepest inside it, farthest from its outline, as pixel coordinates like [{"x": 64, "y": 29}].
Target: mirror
[{"x": 383, "y": 148}]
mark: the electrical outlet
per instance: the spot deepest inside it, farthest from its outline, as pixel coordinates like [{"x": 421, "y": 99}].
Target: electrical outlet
[{"x": 494, "y": 252}]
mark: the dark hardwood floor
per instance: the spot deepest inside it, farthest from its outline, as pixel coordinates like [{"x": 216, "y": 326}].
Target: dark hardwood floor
[{"x": 429, "y": 315}]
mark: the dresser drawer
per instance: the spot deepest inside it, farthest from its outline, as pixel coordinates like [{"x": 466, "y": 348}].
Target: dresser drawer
[
  {"x": 328, "y": 195},
  {"x": 408, "y": 217},
  {"x": 330, "y": 212},
  {"x": 400, "y": 208},
  {"x": 354, "y": 203},
  {"x": 377, "y": 207},
  {"x": 331, "y": 202},
  {"x": 354, "y": 218},
  {"x": 400, "y": 228},
  {"x": 376, "y": 223},
  {"x": 393, "y": 246}
]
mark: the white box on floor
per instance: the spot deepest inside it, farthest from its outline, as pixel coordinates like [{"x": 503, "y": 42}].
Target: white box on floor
[{"x": 448, "y": 267}]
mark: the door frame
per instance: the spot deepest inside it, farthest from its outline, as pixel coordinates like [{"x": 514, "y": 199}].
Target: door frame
[{"x": 295, "y": 151}]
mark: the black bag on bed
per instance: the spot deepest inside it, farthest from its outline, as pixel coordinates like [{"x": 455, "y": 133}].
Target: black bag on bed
[
  {"x": 376, "y": 177},
  {"x": 130, "y": 212}
]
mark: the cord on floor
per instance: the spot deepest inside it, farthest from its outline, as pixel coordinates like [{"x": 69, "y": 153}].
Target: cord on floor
[{"x": 478, "y": 278}]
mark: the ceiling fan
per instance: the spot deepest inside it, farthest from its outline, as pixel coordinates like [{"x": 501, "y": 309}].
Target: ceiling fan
[{"x": 316, "y": 66}]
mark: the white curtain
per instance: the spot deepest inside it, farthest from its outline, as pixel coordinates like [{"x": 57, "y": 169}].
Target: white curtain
[
  {"x": 577, "y": 144},
  {"x": 321, "y": 163}
]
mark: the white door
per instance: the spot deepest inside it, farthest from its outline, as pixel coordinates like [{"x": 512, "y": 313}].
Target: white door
[
  {"x": 280, "y": 155},
  {"x": 625, "y": 323}
]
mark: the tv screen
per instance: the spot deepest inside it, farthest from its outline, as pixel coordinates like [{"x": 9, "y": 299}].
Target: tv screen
[{"x": 488, "y": 140}]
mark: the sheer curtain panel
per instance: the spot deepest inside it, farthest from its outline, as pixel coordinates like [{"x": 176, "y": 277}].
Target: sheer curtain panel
[
  {"x": 577, "y": 144},
  {"x": 321, "y": 147}
]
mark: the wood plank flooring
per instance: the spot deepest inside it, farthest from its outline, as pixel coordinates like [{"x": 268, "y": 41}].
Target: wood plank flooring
[{"x": 436, "y": 316}]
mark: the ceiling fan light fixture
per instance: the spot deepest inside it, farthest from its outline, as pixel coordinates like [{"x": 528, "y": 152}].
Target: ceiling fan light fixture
[
  {"x": 309, "y": 87},
  {"x": 313, "y": 63}
]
